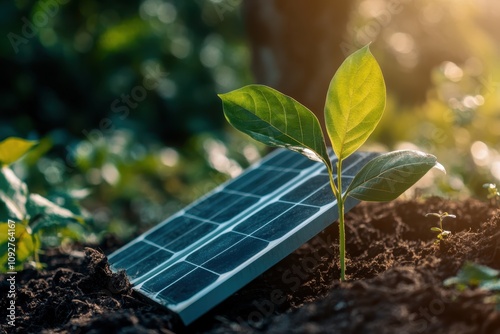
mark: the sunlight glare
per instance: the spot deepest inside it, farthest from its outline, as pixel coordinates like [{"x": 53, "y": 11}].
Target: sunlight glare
[
  {"x": 495, "y": 169},
  {"x": 402, "y": 42},
  {"x": 452, "y": 71},
  {"x": 217, "y": 157},
  {"x": 110, "y": 173},
  {"x": 169, "y": 157},
  {"x": 480, "y": 153}
]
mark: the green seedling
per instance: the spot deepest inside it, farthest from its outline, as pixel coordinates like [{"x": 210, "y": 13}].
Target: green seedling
[
  {"x": 354, "y": 105},
  {"x": 25, "y": 216},
  {"x": 493, "y": 193},
  {"x": 442, "y": 233}
]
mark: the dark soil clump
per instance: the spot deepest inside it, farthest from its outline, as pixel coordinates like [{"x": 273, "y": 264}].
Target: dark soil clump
[{"x": 395, "y": 283}]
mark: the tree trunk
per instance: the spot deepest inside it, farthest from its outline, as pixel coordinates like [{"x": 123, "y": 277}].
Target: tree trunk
[{"x": 296, "y": 46}]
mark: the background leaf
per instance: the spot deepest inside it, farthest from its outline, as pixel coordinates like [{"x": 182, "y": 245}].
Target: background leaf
[
  {"x": 69, "y": 199},
  {"x": 275, "y": 120},
  {"x": 475, "y": 274},
  {"x": 389, "y": 175},
  {"x": 355, "y": 102},
  {"x": 50, "y": 213},
  {"x": 13, "y": 195},
  {"x": 12, "y": 148}
]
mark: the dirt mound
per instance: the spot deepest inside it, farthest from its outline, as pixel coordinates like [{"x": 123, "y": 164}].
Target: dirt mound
[{"x": 394, "y": 268}]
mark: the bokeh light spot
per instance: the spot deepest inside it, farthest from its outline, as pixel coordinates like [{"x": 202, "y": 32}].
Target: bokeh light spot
[{"x": 480, "y": 153}]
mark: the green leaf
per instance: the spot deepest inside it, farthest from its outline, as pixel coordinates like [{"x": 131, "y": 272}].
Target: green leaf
[
  {"x": 50, "y": 213},
  {"x": 436, "y": 229},
  {"x": 355, "y": 102},
  {"x": 68, "y": 200},
  {"x": 11, "y": 149},
  {"x": 13, "y": 195},
  {"x": 474, "y": 274},
  {"x": 276, "y": 120},
  {"x": 493, "y": 285},
  {"x": 387, "y": 176}
]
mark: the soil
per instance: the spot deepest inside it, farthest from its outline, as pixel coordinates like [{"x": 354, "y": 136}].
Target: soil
[{"x": 395, "y": 275}]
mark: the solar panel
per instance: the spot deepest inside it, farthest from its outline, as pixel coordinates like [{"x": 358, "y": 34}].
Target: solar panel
[{"x": 204, "y": 253}]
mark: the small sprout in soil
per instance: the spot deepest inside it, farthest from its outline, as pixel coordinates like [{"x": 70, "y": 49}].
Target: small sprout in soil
[
  {"x": 443, "y": 234},
  {"x": 493, "y": 193},
  {"x": 354, "y": 106}
]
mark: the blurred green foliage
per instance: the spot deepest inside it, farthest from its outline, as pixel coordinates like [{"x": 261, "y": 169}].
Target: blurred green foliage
[
  {"x": 122, "y": 97},
  {"x": 474, "y": 275},
  {"x": 459, "y": 122},
  {"x": 29, "y": 221},
  {"x": 105, "y": 86},
  {"x": 134, "y": 182},
  {"x": 103, "y": 65},
  {"x": 440, "y": 59}
]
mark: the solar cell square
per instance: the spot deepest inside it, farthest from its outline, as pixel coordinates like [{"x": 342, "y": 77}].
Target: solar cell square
[
  {"x": 209, "y": 206},
  {"x": 266, "y": 214},
  {"x": 306, "y": 189},
  {"x": 235, "y": 255},
  {"x": 322, "y": 196},
  {"x": 214, "y": 247},
  {"x": 232, "y": 208},
  {"x": 148, "y": 263},
  {"x": 190, "y": 284},
  {"x": 133, "y": 255},
  {"x": 167, "y": 277},
  {"x": 275, "y": 182},
  {"x": 173, "y": 230},
  {"x": 190, "y": 237},
  {"x": 285, "y": 223},
  {"x": 222, "y": 207},
  {"x": 262, "y": 182},
  {"x": 239, "y": 184}
]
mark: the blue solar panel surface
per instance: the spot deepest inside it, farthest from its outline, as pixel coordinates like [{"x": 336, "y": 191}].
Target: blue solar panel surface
[{"x": 206, "y": 252}]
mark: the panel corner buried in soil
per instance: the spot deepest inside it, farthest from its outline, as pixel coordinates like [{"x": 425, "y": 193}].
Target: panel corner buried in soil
[{"x": 204, "y": 253}]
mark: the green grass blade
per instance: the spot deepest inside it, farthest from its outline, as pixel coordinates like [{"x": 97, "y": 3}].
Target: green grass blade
[
  {"x": 276, "y": 120},
  {"x": 355, "y": 102},
  {"x": 389, "y": 175}
]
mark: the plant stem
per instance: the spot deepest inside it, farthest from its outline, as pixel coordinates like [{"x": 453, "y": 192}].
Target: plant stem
[
  {"x": 337, "y": 191},
  {"x": 340, "y": 203},
  {"x": 341, "y": 240},
  {"x": 332, "y": 183}
]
